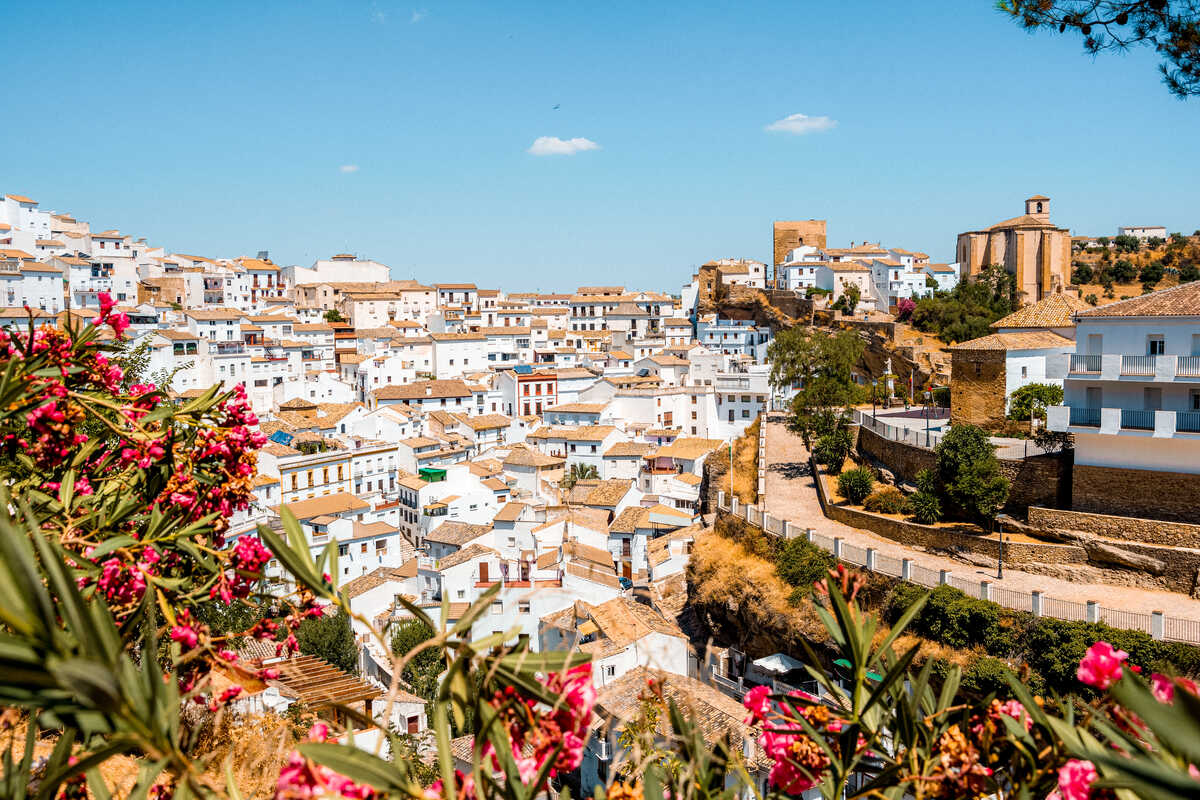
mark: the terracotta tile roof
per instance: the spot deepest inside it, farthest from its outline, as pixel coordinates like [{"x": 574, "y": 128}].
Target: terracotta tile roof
[
  {"x": 511, "y": 512},
  {"x": 715, "y": 714},
  {"x": 525, "y": 457},
  {"x": 464, "y": 555},
  {"x": 338, "y": 503},
  {"x": 457, "y": 533},
  {"x": 1178, "y": 301},
  {"x": 417, "y": 390},
  {"x": 1056, "y": 311},
  {"x": 485, "y": 422},
  {"x": 578, "y": 408},
  {"x": 688, "y": 448},
  {"x": 373, "y": 580},
  {"x": 583, "y": 433},
  {"x": 629, "y": 450},
  {"x": 1022, "y": 340},
  {"x": 600, "y": 493},
  {"x": 1023, "y": 221}
]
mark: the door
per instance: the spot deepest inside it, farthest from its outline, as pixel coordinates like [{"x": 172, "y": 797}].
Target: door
[
  {"x": 483, "y": 572},
  {"x": 1152, "y": 398},
  {"x": 627, "y": 570},
  {"x": 1095, "y": 397},
  {"x": 1095, "y": 344}
]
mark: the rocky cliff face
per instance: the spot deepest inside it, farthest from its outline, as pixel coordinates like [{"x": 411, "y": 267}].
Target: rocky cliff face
[{"x": 912, "y": 353}]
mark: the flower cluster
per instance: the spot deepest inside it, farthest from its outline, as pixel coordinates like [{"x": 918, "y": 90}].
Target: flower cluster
[
  {"x": 303, "y": 779},
  {"x": 247, "y": 559},
  {"x": 960, "y": 768},
  {"x": 992, "y": 722},
  {"x": 536, "y": 732},
  {"x": 1101, "y": 665},
  {"x": 798, "y": 761}
]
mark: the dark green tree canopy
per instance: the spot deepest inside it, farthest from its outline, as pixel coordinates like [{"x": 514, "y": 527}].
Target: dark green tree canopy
[{"x": 1170, "y": 27}]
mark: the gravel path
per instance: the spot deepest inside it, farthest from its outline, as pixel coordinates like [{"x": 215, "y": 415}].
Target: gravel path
[{"x": 792, "y": 495}]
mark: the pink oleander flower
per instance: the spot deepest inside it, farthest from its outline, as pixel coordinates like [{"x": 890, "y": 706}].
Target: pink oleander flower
[
  {"x": 1101, "y": 666},
  {"x": 1162, "y": 688},
  {"x": 758, "y": 702},
  {"x": 1075, "y": 779},
  {"x": 186, "y": 636}
]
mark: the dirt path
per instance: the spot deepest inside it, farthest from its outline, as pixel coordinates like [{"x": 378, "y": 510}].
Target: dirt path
[{"x": 792, "y": 495}]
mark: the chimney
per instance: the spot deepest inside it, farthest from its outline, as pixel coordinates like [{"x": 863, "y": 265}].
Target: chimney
[
  {"x": 428, "y": 391},
  {"x": 263, "y": 255}
]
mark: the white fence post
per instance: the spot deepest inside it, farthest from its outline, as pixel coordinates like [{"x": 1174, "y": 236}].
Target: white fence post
[
  {"x": 906, "y": 569},
  {"x": 837, "y": 547},
  {"x": 787, "y": 529},
  {"x": 944, "y": 577},
  {"x": 1036, "y": 602},
  {"x": 985, "y": 590},
  {"x": 870, "y": 565},
  {"x": 1156, "y": 624},
  {"x": 721, "y": 499},
  {"x": 808, "y": 534},
  {"x": 733, "y": 505},
  {"x": 1093, "y": 611}
]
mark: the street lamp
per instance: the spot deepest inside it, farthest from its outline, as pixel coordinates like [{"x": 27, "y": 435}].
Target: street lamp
[{"x": 1000, "y": 553}]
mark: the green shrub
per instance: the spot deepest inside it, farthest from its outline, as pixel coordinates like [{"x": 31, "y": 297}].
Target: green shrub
[
  {"x": 831, "y": 450},
  {"x": 885, "y": 500},
  {"x": 1033, "y": 397},
  {"x": 925, "y": 507},
  {"x": 855, "y": 484},
  {"x": 941, "y": 396},
  {"x": 969, "y": 475},
  {"x": 986, "y": 677},
  {"x": 801, "y": 563}
]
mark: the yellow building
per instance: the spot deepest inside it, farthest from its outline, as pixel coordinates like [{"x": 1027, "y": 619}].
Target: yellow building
[{"x": 1030, "y": 247}]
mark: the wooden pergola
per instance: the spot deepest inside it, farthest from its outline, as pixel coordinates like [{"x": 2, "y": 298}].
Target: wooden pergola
[{"x": 320, "y": 685}]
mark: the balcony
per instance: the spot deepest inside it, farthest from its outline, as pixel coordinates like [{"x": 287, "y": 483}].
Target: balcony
[
  {"x": 1138, "y": 365},
  {"x": 1187, "y": 367},
  {"x": 1089, "y": 364},
  {"x": 1115, "y": 421},
  {"x": 1137, "y": 419},
  {"x": 1088, "y": 417}
]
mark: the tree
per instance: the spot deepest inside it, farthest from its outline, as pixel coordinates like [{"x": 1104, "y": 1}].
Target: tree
[
  {"x": 1127, "y": 244},
  {"x": 967, "y": 311},
  {"x": 821, "y": 365},
  {"x": 1188, "y": 272},
  {"x": 969, "y": 474},
  {"x": 851, "y": 296},
  {"x": 905, "y": 307},
  {"x": 422, "y": 670},
  {"x": 1032, "y": 399},
  {"x": 1081, "y": 274},
  {"x": 1152, "y": 273},
  {"x": 330, "y": 637},
  {"x": 1123, "y": 271},
  {"x": 578, "y": 472},
  {"x": 1155, "y": 242},
  {"x": 333, "y": 315},
  {"x": 1172, "y": 29}
]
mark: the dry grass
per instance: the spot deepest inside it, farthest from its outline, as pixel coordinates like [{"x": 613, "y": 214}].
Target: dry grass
[
  {"x": 745, "y": 465},
  {"x": 256, "y": 745}
]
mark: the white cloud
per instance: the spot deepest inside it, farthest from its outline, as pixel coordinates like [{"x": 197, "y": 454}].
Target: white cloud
[
  {"x": 418, "y": 15},
  {"x": 348, "y": 168},
  {"x": 554, "y": 146},
  {"x": 800, "y": 124}
]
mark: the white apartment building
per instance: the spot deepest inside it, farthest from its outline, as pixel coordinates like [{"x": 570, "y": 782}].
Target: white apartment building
[
  {"x": 342, "y": 267},
  {"x": 1132, "y": 403},
  {"x": 456, "y": 354},
  {"x": 1143, "y": 232}
]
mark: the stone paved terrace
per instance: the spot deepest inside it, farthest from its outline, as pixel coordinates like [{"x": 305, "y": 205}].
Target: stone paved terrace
[{"x": 792, "y": 495}]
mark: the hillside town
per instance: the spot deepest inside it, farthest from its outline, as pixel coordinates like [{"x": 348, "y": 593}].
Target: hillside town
[{"x": 565, "y": 452}]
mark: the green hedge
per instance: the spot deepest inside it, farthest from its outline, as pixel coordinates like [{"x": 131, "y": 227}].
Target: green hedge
[{"x": 1051, "y": 647}]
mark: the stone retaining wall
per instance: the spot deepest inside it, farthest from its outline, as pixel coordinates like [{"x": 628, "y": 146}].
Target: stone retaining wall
[
  {"x": 1133, "y": 529},
  {"x": 954, "y": 539},
  {"x": 1136, "y": 492},
  {"x": 1037, "y": 480}
]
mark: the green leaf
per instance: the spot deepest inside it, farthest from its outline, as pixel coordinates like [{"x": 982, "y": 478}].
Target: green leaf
[{"x": 358, "y": 765}]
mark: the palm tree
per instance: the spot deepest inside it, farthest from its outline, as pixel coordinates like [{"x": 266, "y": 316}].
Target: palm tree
[{"x": 577, "y": 473}]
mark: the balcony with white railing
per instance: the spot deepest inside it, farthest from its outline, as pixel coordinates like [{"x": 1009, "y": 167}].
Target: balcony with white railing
[
  {"x": 1187, "y": 367},
  {"x": 1084, "y": 363},
  {"x": 1138, "y": 365},
  {"x": 1116, "y": 421}
]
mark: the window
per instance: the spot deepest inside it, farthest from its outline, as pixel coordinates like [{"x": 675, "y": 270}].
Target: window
[
  {"x": 325, "y": 475},
  {"x": 610, "y": 671},
  {"x": 461, "y": 594},
  {"x": 745, "y": 413},
  {"x": 1156, "y": 345},
  {"x": 1024, "y": 372},
  {"x": 523, "y": 607},
  {"x": 497, "y": 608},
  {"x": 362, "y": 548},
  {"x": 343, "y": 549},
  {"x": 294, "y": 482},
  {"x": 310, "y": 478},
  {"x": 978, "y": 370}
]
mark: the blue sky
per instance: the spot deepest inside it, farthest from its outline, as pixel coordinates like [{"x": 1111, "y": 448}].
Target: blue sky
[{"x": 401, "y": 131}]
